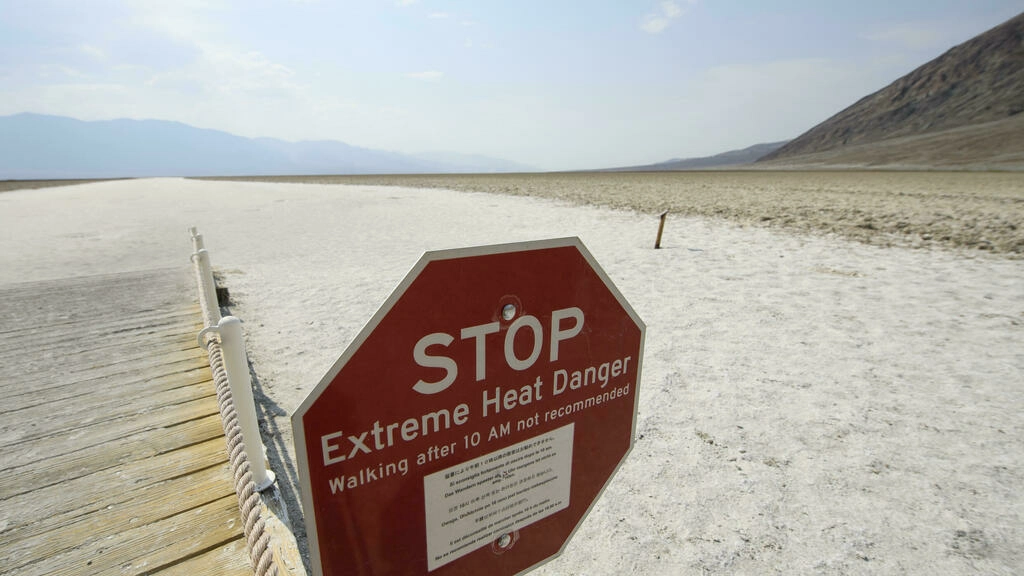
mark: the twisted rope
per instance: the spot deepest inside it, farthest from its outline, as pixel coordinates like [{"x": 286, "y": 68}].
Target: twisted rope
[{"x": 249, "y": 502}]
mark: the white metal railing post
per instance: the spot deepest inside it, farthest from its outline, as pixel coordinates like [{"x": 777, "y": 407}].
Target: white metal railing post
[
  {"x": 197, "y": 239},
  {"x": 207, "y": 288},
  {"x": 204, "y": 279},
  {"x": 232, "y": 346},
  {"x": 270, "y": 542}
]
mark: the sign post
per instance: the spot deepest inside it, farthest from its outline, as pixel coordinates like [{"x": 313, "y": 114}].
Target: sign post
[{"x": 476, "y": 418}]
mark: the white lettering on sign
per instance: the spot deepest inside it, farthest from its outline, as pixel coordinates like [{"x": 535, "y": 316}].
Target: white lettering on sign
[
  {"x": 473, "y": 503},
  {"x": 590, "y": 375},
  {"x": 478, "y": 334},
  {"x": 557, "y": 334},
  {"x": 533, "y": 324},
  {"x": 419, "y": 353},
  {"x": 379, "y": 437}
]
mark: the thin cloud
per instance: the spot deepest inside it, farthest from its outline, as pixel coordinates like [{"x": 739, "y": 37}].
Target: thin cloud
[
  {"x": 426, "y": 75},
  {"x": 671, "y": 9},
  {"x": 656, "y": 22},
  {"x": 404, "y": 3},
  {"x": 439, "y": 15},
  {"x": 913, "y": 35},
  {"x": 92, "y": 51},
  {"x": 653, "y": 24}
]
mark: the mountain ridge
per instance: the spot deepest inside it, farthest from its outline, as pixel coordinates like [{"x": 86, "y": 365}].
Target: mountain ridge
[
  {"x": 739, "y": 157},
  {"x": 978, "y": 82},
  {"x": 41, "y": 146}
]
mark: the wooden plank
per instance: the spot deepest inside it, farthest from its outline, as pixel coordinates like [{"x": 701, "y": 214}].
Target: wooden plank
[
  {"x": 78, "y": 312},
  {"x": 87, "y": 304},
  {"x": 44, "y": 362},
  {"x": 74, "y": 298},
  {"x": 175, "y": 334},
  {"x": 101, "y": 405},
  {"x": 18, "y": 389},
  {"x": 22, "y": 443},
  {"x": 97, "y": 388},
  {"x": 42, "y": 334},
  {"x": 98, "y": 320},
  {"x": 112, "y": 453},
  {"x": 110, "y": 369},
  {"x": 147, "y": 548},
  {"x": 93, "y": 363},
  {"x": 163, "y": 378},
  {"x": 149, "y": 282},
  {"x": 45, "y": 472},
  {"x": 90, "y": 400},
  {"x": 134, "y": 341},
  {"x": 55, "y": 374},
  {"x": 73, "y": 440},
  {"x": 228, "y": 559},
  {"x": 103, "y": 280},
  {"x": 60, "y": 335},
  {"x": 111, "y": 512},
  {"x": 59, "y": 498}
]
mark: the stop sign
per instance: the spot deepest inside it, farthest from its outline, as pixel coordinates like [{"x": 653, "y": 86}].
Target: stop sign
[{"x": 475, "y": 419}]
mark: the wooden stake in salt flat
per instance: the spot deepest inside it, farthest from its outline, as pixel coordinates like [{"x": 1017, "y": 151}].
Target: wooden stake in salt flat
[{"x": 661, "y": 228}]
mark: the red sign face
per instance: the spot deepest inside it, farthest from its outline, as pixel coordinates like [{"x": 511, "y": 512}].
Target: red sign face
[{"x": 476, "y": 418}]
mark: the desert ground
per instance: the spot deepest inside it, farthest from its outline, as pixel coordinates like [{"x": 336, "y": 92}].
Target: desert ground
[
  {"x": 833, "y": 370},
  {"x": 7, "y": 185},
  {"x": 973, "y": 210}
]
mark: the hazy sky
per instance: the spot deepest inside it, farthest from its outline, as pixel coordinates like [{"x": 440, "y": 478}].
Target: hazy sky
[{"x": 553, "y": 84}]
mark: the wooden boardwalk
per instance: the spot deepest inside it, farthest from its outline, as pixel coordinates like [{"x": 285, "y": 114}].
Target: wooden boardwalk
[{"x": 112, "y": 454}]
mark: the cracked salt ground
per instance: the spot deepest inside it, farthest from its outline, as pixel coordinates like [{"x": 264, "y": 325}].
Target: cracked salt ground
[{"x": 874, "y": 390}]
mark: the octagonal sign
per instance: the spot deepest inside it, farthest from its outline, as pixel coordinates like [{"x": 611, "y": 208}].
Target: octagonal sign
[{"x": 474, "y": 421}]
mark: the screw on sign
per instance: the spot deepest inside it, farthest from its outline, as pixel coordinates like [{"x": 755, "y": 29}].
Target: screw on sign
[{"x": 474, "y": 421}]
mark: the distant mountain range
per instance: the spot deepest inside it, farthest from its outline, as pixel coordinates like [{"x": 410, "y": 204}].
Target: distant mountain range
[
  {"x": 36, "y": 146},
  {"x": 960, "y": 110},
  {"x": 725, "y": 159}
]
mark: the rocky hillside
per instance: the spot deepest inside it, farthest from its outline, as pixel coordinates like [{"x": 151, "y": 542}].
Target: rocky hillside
[
  {"x": 979, "y": 82},
  {"x": 725, "y": 159}
]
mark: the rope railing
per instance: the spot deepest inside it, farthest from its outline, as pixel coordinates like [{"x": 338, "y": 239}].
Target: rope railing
[
  {"x": 222, "y": 339},
  {"x": 249, "y": 502}
]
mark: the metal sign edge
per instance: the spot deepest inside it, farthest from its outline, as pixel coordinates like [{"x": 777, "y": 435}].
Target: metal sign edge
[
  {"x": 299, "y": 440},
  {"x": 600, "y": 493}
]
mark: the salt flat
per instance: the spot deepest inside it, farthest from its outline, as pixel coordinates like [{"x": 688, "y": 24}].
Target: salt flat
[
  {"x": 808, "y": 404},
  {"x": 950, "y": 209}
]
